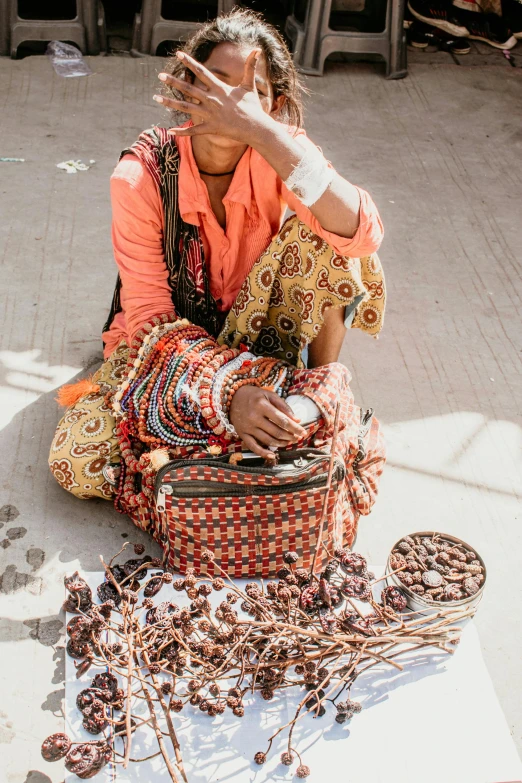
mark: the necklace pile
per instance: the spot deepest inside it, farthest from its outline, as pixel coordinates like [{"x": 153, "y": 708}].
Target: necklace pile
[{"x": 181, "y": 383}]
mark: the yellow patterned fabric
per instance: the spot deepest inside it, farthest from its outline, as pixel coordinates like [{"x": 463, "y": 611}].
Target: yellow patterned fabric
[
  {"x": 281, "y": 305},
  {"x": 85, "y": 444},
  {"x": 279, "y": 310}
]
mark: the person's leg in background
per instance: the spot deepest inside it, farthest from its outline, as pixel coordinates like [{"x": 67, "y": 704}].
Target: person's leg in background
[
  {"x": 84, "y": 454},
  {"x": 491, "y": 21}
]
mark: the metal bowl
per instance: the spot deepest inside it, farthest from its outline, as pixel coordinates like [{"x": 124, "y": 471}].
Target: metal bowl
[{"x": 419, "y": 604}]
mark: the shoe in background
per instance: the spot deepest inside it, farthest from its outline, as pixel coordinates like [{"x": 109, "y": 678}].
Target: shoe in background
[
  {"x": 438, "y": 13},
  {"x": 488, "y": 28},
  {"x": 421, "y": 35}
]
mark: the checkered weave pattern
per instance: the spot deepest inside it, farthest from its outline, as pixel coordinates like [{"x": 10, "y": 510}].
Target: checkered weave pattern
[{"x": 249, "y": 528}]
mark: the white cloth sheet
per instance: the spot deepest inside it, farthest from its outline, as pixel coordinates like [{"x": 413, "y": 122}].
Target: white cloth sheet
[{"x": 438, "y": 720}]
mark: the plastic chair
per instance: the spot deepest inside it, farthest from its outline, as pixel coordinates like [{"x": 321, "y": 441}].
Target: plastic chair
[
  {"x": 313, "y": 39},
  {"x": 5, "y": 33},
  {"x": 151, "y": 28},
  {"x": 82, "y": 30}
]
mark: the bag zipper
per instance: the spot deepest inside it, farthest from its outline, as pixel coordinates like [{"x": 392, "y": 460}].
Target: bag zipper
[
  {"x": 199, "y": 488},
  {"x": 289, "y": 457}
]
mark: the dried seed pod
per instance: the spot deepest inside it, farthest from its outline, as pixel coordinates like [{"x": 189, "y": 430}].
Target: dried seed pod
[
  {"x": 417, "y": 577},
  {"x": 356, "y": 587},
  {"x": 397, "y": 561},
  {"x": 176, "y": 705},
  {"x": 153, "y": 586},
  {"x": 239, "y": 711},
  {"x": 130, "y": 596},
  {"x": 328, "y": 620},
  {"x": 404, "y": 547},
  {"x": 392, "y": 596},
  {"x": 86, "y": 698},
  {"x": 421, "y": 551},
  {"x": 218, "y": 584},
  {"x": 78, "y": 649},
  {"x": 80, "y": 594},
  {"x": 452, "y": 592},
  {"x": 457, "y": 565},
  {"x": 471, "y": 586},
  {"x": 139, "y": 549},
  {"x": 309, "y": 597},
  {"x": 412, "y": 565},
  {"x": 302, "y": 771},
  {"x": 418, "y": 589},
  {"x": 56, "y": 747},
  {"x": 86, "y": 760},
  {"x": 106, "y": 591},
  {"x": 287, "y": 759},
  {"x": 353, "y": 563},
  {"x": 443, "y": 558},
  {"x": 431, "y": 579},
  {"x": 260, "y": 758},
  {"x": 290, "y": 558},
  {"x": 430, "y": 547},
  {"x": 406, "y": 578},
  {"x": 409, "y": 540},
  {"x": 473, "y": 569},
  {"x": 455, "y": 576}
]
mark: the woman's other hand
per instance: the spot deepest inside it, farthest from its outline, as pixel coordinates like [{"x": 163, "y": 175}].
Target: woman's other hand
[{"x": 262, "y": 420}]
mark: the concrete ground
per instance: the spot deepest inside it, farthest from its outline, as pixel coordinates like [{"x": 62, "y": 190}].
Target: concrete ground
[{"x": 441, "y": 153}]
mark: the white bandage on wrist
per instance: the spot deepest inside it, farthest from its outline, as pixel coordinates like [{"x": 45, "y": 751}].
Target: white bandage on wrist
[
  {"x": 304, "y": 408},
  {"x": 310, "y": 178}
]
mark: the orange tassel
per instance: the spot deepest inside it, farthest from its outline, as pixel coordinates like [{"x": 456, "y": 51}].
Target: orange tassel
[{"x": 72, "y": 393}]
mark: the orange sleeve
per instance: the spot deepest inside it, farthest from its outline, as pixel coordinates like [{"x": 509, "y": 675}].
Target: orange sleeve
[
  {"x": 368, "y": 237},
  {"x": 137, "y": 238}
]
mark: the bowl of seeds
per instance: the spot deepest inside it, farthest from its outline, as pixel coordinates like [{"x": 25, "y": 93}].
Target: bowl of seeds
[{"x": 436, "y": 569}]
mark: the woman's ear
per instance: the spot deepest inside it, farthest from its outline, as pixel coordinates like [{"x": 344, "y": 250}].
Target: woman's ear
[{"x": 277, "y": 105}]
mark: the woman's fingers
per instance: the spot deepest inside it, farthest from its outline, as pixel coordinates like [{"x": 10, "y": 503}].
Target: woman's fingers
[
  {"x": 183, "y": 106},
  {"x": 249, "y": 74},
  {"x": 274, "y": 431},
  {"x": 186, "y": 88},
  {"x": 193, "y": 130},
  {"x": 274, "y": 413},
  {"x": 199, "y": 70},
  {"x": 283, "y": 406},
  {"x": 256, "y": 448},
  {"x": 266, "y": 439}
]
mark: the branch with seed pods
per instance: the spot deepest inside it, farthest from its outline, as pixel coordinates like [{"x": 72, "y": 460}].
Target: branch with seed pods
[{"x": 310, "y": 633}]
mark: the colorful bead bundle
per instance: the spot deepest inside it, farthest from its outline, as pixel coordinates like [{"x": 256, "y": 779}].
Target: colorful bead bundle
[{"x": 181, "y": 384}]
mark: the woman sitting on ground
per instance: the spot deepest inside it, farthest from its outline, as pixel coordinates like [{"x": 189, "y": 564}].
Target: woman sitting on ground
[{"x": 197, "y": 213}]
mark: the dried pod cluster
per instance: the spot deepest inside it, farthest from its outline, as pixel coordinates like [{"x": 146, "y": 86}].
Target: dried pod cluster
[
  {"x": 213, "y": 646},
  {"x": 436, "y": 568}
]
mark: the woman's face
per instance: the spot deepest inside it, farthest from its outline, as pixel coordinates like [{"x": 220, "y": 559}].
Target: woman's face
[{"x": 227, "y": 63}]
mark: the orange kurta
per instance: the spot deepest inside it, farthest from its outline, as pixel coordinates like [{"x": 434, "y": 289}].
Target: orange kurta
[{"x": 255, "y": 204}]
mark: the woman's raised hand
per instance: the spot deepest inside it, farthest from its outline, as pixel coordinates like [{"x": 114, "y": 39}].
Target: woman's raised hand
[
  {"x": 215, "y": 107},
  {"x": 262, "y": 419}
]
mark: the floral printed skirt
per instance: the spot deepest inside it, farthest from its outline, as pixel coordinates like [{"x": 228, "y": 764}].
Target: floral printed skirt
[{"x": 278, "y": 311}]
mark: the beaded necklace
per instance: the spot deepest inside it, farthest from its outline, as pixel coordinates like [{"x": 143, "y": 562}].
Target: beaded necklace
[{"x": 181, "y": 383}]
